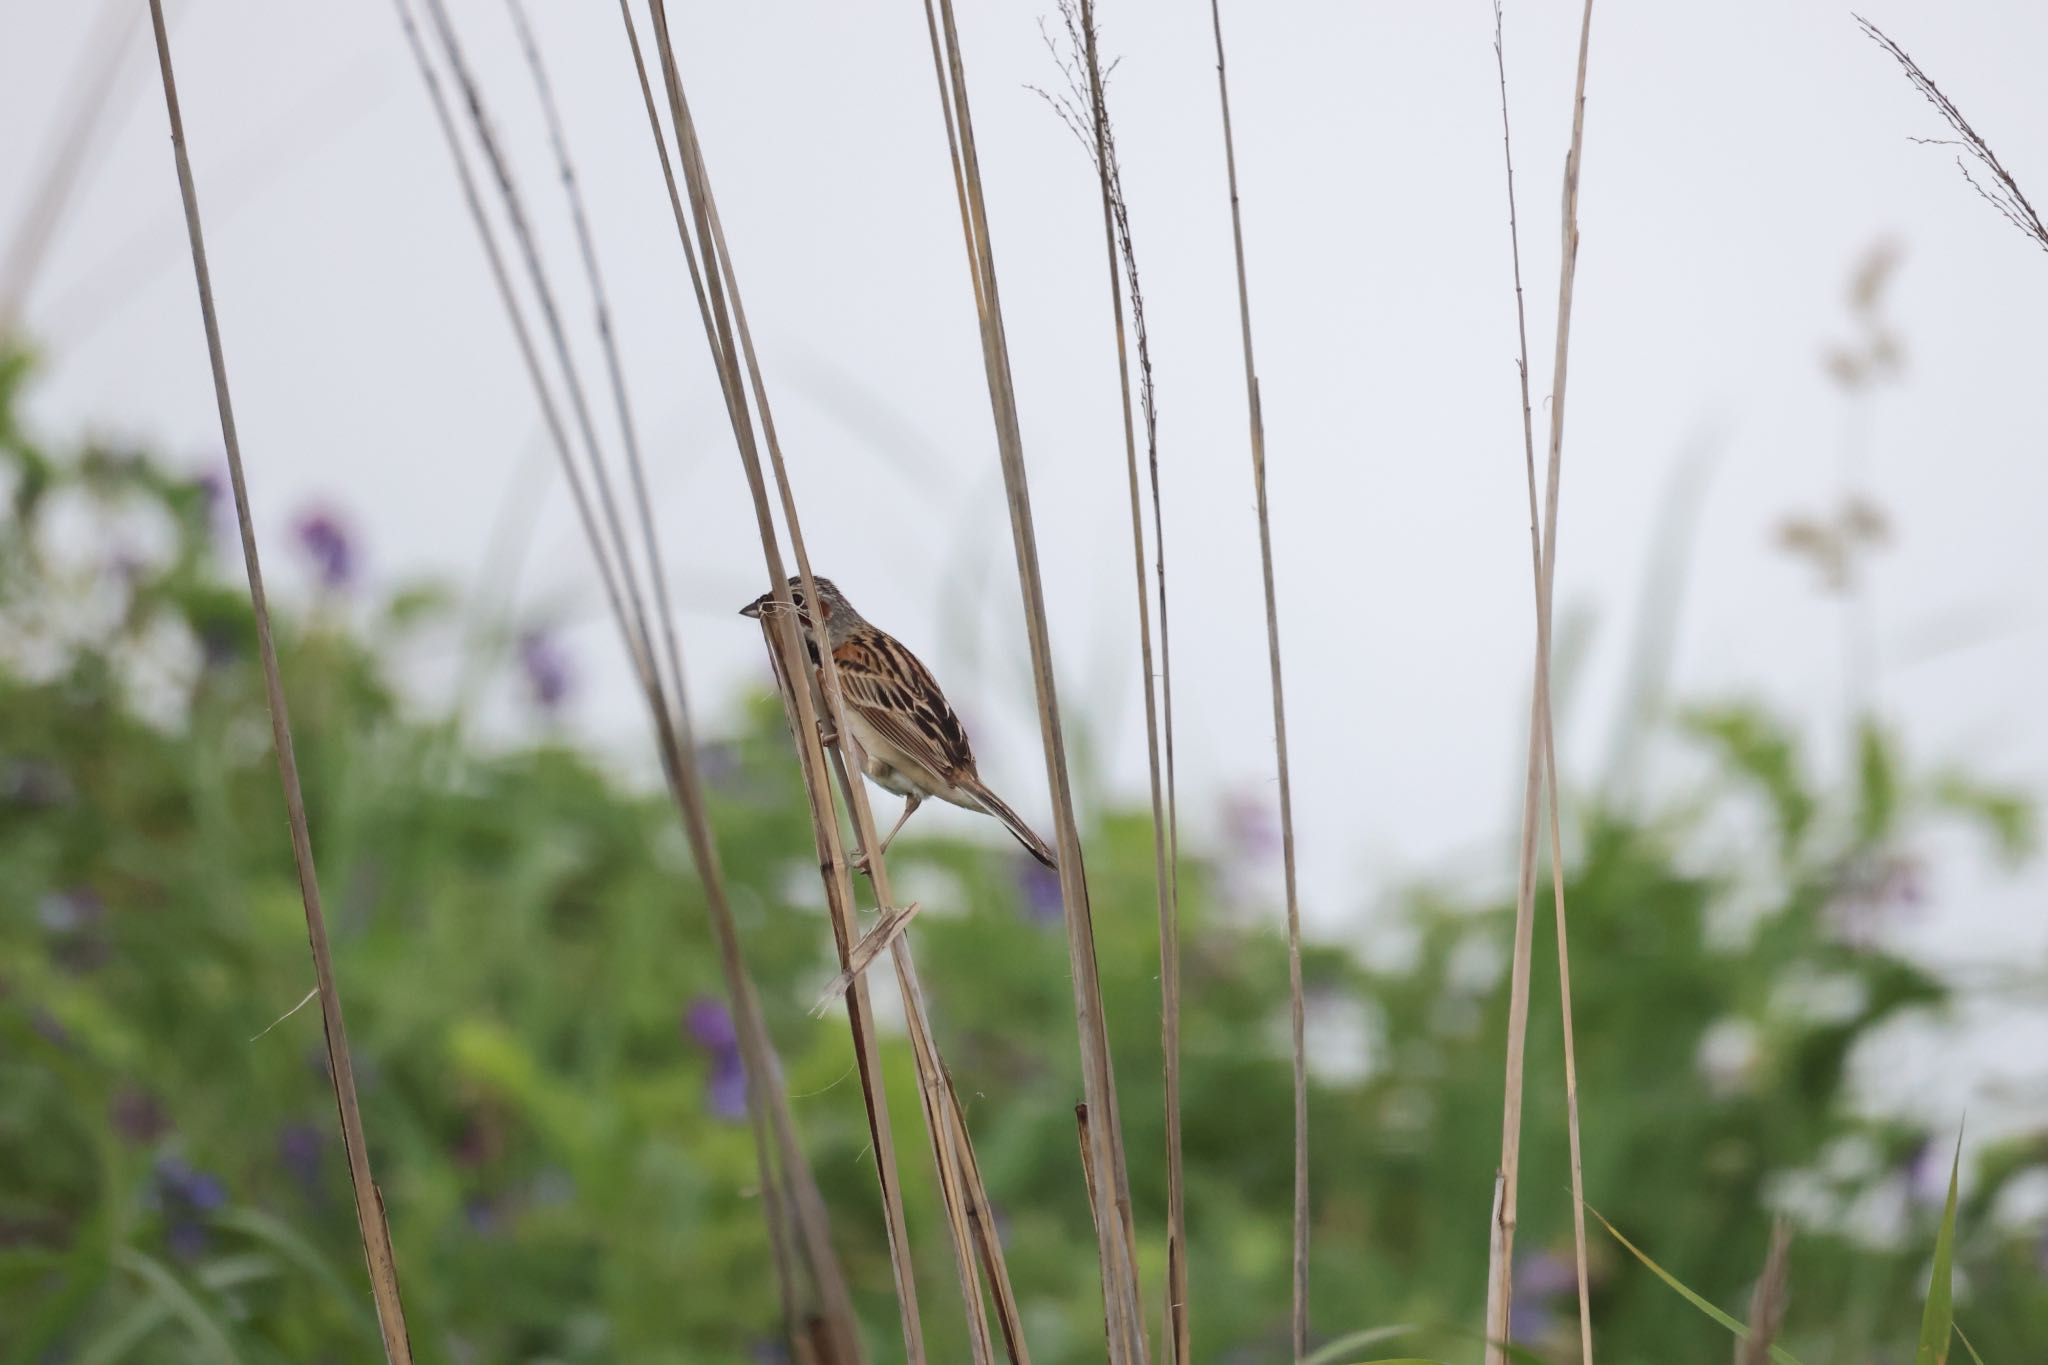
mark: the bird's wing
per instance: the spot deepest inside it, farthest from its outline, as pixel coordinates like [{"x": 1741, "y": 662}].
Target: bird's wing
[{"x": 895, "y": 694}]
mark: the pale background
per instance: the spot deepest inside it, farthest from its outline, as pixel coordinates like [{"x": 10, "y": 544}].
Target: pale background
[{"x": 1742, "y": 160}]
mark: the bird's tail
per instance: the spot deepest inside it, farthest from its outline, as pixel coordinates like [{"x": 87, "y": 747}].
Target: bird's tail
[{"x": 1012, "y": 821}]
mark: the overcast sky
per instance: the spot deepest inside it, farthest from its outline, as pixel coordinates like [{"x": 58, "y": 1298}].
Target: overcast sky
[{"x": 1741, "y": 161}]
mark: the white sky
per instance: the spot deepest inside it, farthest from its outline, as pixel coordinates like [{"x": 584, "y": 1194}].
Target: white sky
[{"x": 1741, "y": 160}]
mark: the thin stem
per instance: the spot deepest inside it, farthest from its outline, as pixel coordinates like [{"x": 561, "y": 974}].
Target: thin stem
[
  {"x": 1110, "y": 1193},
  {"x": 371, "y": 1225},
  {"x": 1542, "y": 767},
  {"x": 601, "y": 305},
  {"x": 1175, "y": 1343},
  {"x": 1295, "y": 993},
  {"x": 106, "y": 47}
]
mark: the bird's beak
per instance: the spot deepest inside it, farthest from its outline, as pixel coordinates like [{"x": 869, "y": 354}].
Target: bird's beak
[{"x": 753, "y": 608}]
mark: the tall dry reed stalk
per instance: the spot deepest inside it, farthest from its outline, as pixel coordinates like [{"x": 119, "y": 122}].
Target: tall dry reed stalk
[
  {"x": 817, "y": 1307},
  {"x": 1087, "y": 81},
  {"x": 964, "y": 1198},
  {"x": 1542, "y": 765},
  {"x": 1295, "y": 995},
  {"x": 1110, "y": 1199},
  {"x": 371, "y": 1225}
]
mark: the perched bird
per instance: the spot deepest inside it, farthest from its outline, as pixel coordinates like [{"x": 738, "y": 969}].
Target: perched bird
[{"x": 905, "y": 737}]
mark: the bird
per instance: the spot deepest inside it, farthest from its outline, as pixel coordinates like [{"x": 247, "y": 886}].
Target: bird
[{"x": 904, "y": 734}]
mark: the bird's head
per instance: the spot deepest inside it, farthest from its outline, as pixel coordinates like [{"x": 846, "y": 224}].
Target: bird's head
[{"x": 838, "y": 613}]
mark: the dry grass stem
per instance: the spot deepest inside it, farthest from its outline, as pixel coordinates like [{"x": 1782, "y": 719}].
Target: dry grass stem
[
  {"x": 794, "y": 1207},
  {"x": 1767, "y": 1300},
  {"x": 1542, "y": 765},
  {"x": 2003, "y": 193},
  {"x": 1110, "y": 1196},
  {"x": 628, "y": 431},
  {"x": 782, "y": 652},
  {"x": 106, "y": 46},
  {"x": 964, "y": 1199},
  {"x": 371, "y": 1224},
  {"x": 1098, "y": 136},
  {"x": 1295, "y": 994},
  {"x": 879, "y": 938}
]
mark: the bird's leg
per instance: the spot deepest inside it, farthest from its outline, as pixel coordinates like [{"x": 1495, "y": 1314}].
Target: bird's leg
[
  {"x": 858, "y": 859},
  {"x": 827, "y": 736},
  {"x": 910, "y": 805}
]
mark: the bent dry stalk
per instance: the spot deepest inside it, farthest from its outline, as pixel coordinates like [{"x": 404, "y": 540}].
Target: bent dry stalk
[{"x": 371, "y": 1224}]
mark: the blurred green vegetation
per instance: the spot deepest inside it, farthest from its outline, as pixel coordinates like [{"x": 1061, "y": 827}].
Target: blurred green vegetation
[{"x": 551, "y": 1096}]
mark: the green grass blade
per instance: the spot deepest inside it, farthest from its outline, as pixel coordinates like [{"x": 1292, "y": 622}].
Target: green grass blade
[
  {"x": 1778, "y": 1353},
  {"x": 1340, "y": 1350},
  {"x": 1938, "y": 1320},
  {"x": 1979, "y": 1360},
  {"x": 121, "y": 1339},
  {"x": 183, "y": 1304},
  {"x": 289, "y": 1244}
]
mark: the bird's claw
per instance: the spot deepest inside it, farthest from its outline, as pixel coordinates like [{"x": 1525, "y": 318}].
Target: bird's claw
[
  {"x": 857, "y": 859},
  {"x": 827, "y": 736}
]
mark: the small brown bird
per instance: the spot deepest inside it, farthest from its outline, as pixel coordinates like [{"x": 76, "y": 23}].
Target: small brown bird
[{"x": 905, "y": 737}]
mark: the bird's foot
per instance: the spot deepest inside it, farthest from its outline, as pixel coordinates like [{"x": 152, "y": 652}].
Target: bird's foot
[
  {"x": 857, "y": 859},
  {"x": 827, "y": 736}
]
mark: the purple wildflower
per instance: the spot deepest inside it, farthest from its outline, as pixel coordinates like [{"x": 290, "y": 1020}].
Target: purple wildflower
[
  {"x": 186, "y": 1197},
  {"x": 1043, "y": 903},
  {"x": 1250, "y": 825},
  {"x": 720, "y": 764},
  {"x": 709, "y": 1025},
  {"x": 299, "y": 1147},
  {"x": 483, "y": 1215},
  {"x": 549, "y": 679},
  {"x": 1875, "y": 892},
  {"x": 725, "y": 1094},
  {"x": 137, "y": 1116},
  {"x": 1926, "y": 1174},
  {"x": 1540, "y": 1281},
  {"x": 325, "y": 540},
  {"x": 216, "y": 508}
]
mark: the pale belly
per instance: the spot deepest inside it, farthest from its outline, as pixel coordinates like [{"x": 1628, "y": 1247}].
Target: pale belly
[{"x": 878, "y": 758}]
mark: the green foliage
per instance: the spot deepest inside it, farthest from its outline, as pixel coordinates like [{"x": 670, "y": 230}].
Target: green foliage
[
  {"x": 1937, "y": 1320},
  {"x": 529, "y": 981}
]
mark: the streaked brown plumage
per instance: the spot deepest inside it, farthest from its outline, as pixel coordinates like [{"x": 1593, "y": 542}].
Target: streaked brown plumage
[{"x": 905, "y": 736}]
